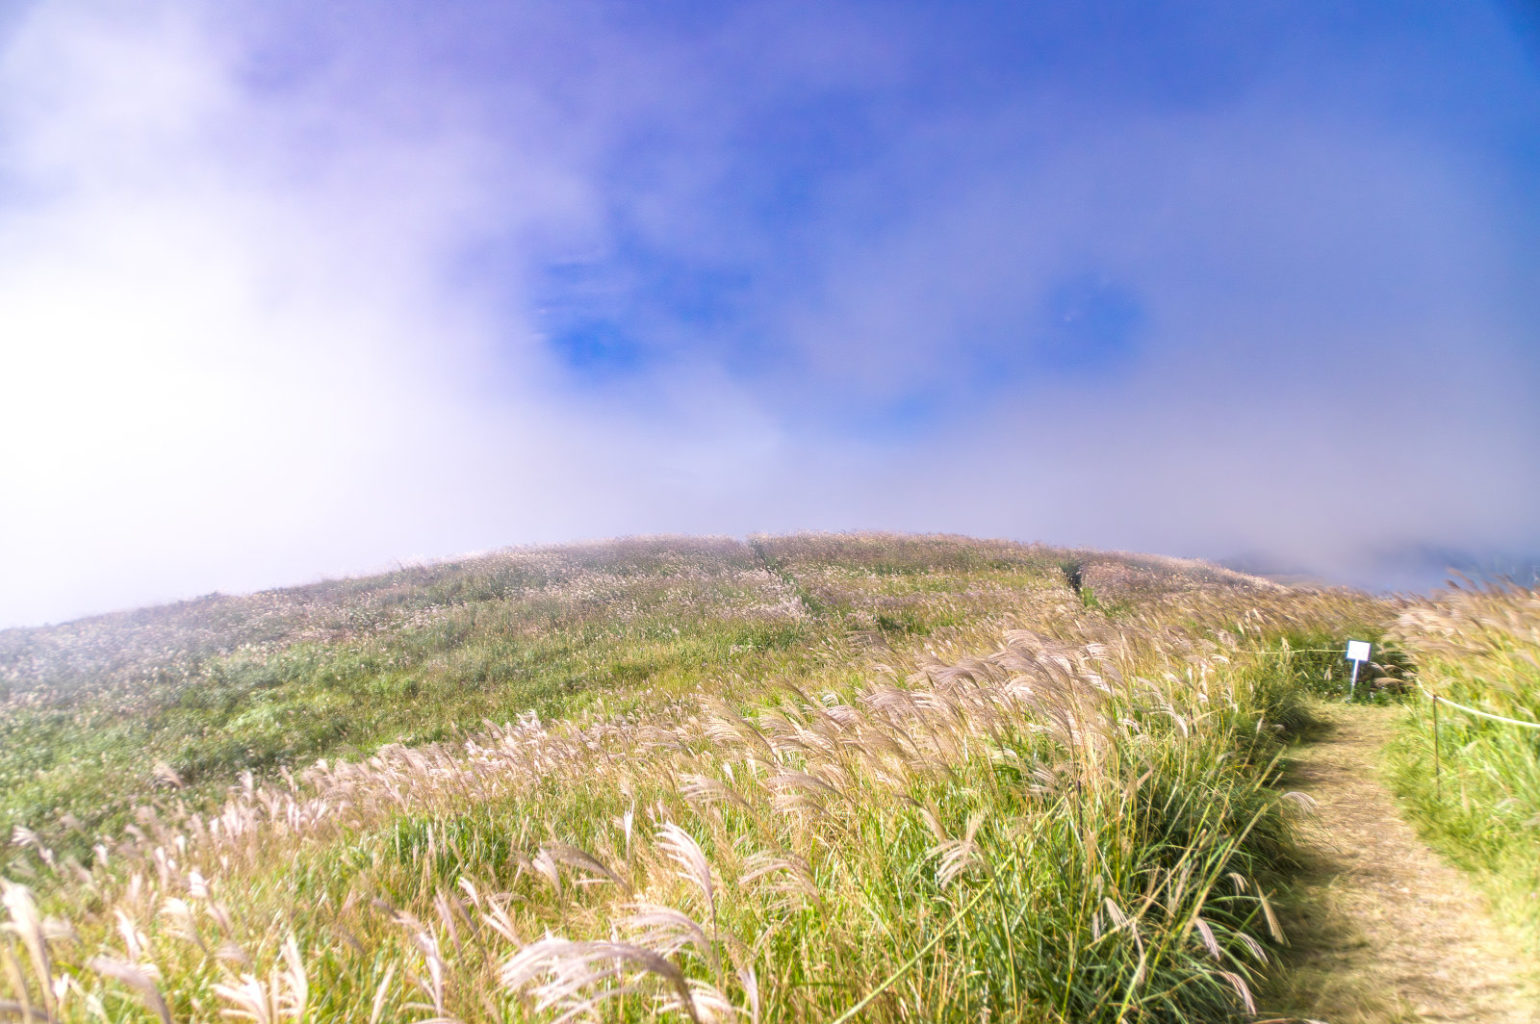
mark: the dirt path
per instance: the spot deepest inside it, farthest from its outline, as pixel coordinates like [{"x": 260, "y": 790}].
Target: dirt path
[{"x": 1387, "y": 931}]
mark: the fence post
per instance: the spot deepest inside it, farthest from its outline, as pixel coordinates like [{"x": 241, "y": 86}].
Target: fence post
[{"x": 1438, "y": 778}]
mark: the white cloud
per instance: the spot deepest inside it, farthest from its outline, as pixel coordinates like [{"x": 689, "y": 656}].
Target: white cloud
[{"x": 231, "y": 351}]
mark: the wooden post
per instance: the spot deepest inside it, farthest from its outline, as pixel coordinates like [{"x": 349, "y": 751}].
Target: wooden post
[{"x": 1438, "y": 778}]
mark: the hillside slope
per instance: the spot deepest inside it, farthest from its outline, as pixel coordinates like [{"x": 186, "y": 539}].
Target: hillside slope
[
  {"x": 99, "y": 714},
  {"x": 798, "y": 778}
]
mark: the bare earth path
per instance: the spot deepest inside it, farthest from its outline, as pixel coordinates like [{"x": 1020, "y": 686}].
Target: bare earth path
[{"x": 1388, "y": 931}]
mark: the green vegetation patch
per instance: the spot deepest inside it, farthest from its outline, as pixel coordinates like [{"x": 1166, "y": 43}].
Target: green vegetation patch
[
  {"x": 1476, "y": 795},
  {"x": 816, "y": 778},
  {"x": 107, "y": 714}
]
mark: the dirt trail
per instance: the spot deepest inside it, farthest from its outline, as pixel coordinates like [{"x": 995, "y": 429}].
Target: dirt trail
[{"x": 1388, "y": 931}]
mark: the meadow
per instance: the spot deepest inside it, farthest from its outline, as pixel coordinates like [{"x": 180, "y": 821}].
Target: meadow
[
  {"x": 811, "y": 778},
  {"x": 99, "y": 714}
]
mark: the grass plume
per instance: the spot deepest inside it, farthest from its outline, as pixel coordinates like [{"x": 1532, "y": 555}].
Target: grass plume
[{"x": 952, "y": 791}]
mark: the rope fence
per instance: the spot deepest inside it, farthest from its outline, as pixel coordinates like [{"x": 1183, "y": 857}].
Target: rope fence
[
  {"x": 1436, "y": 700},
  {"x": 1438, "y": 769}
]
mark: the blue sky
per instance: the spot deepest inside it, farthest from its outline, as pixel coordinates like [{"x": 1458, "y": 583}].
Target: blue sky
[{"x": 291, "y": 289}]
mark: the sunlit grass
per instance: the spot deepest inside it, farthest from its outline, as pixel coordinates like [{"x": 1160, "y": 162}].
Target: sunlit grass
[
  {"x": 903, "y": 779},
  {"x": 101, "y": 714}
]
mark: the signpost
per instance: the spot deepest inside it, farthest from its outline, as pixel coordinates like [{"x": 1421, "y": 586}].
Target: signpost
[{"x": 1357, "y": 653}]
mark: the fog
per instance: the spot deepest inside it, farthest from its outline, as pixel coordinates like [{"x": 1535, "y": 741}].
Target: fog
[{"x": 288, "y": 293}]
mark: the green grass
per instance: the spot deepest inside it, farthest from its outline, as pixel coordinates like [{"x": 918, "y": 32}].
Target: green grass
[
  {"x": 1482, "y": 808},
  {"x": 424, "y": 655},
  {"x": 802, "y": 779},
  {"x": 1319, "y": 661}
]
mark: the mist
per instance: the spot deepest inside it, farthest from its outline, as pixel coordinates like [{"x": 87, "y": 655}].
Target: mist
[{"x": 287, "y": 293}]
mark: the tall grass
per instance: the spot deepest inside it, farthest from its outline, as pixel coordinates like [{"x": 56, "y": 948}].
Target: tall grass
[
  {"x": 1481, "y": 648},
  {"x": 1076, "y": 824},
  {"x": 98, "y": 715}
]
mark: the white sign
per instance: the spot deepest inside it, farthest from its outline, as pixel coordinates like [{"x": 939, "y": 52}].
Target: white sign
[{"x": 1358, "y": 650}]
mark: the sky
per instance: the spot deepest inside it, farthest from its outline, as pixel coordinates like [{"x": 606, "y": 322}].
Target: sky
[{"x": 292, "y": 290}]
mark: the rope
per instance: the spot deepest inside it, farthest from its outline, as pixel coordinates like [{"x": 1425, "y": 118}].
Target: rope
[
  {"x": 1432, "y": 696},
  {"x": 1473, "y": 711},
  {"x": 1305, "y": 650}
]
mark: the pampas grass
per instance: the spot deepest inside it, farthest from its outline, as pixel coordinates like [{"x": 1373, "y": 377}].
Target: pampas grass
[{"x": 1047, "y": 815}]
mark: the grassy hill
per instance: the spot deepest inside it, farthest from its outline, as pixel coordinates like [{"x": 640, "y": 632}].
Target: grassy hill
[
  {"x": 793, "y": 778},
  {"x": 101, "y": 714}
]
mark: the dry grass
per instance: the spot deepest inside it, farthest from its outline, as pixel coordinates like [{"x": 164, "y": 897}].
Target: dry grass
[{"x": 1074, "y": 821}]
